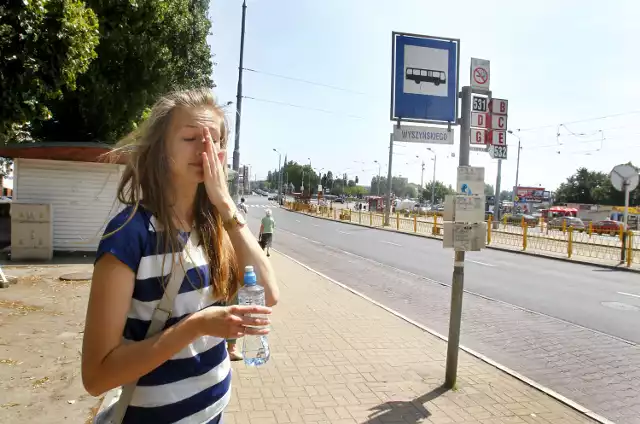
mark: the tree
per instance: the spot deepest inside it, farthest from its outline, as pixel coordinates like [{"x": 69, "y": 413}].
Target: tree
[
  {"x": 45, "y": 46},
  {"x": 440, "y": 191},
  {"x": 506, "y": 195},
  {"x": 382, "y": 182},
  {"x": 147, "y": 48},
  {"x": 355, "y": 191},
  {"x": 488, "y": 190},
  {"x": 592, "y": 187}
]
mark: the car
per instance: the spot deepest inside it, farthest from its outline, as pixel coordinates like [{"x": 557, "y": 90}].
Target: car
[
  {"x": 607, "y": 226},
  {"x": 570, "y": 221},
  {"x": 338, "y": 200},
  {"x": 516, "y": 219}
]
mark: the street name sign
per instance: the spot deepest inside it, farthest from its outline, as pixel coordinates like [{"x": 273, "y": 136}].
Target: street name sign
[{"x": 423, "y": 134}]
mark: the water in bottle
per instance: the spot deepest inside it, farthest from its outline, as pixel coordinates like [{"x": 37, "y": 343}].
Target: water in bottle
[{"x": 255, "y": 349}]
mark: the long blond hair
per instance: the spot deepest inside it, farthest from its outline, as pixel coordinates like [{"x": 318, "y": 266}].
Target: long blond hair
[{"x": 144, "y": 180}]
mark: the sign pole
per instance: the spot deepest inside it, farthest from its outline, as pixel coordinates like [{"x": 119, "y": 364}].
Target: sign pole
[
  {"x": 387, "y": 204},
  {"x": 496, "y": 202},
  {"x": 626, "y": 203},
  {"x": 457, "y": 288},
  {"x": 625, "y": 186}
]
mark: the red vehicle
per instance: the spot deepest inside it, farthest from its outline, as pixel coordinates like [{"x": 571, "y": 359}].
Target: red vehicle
[
  {"x": 558, "y": 211},
  {"x": 607, "y": 226}
]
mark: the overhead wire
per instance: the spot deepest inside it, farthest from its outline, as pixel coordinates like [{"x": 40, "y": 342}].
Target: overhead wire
[
  {"x": 519, "y": 130},
  {"x": 304, "y": 107},
  {"x": 319, "y": 84},
  {"x": 615, "y": 115}
]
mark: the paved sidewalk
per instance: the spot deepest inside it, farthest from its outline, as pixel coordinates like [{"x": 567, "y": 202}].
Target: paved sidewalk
[{"x": 340, "y": 359}]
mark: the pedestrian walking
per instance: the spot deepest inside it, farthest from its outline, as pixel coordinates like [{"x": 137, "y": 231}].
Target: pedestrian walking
[
  {"x": 243, "y": 206},
  {"x": 267, "y": 225},
  {"x": 166, "y": 268}
]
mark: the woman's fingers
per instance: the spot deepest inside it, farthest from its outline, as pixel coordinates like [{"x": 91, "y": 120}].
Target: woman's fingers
[
  {"x": 249, "y": 309},
  {"x": 249, "y": 321},
  {"x": 262, "y": 331},
  {"x": 206, "y": 165}
]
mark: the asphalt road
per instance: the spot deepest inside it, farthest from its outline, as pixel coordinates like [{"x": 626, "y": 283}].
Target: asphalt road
[{"x": 571, "y": 327}]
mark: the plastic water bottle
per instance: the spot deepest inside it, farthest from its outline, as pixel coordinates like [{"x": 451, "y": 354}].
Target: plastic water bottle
[{"x": 255, "y": 349}]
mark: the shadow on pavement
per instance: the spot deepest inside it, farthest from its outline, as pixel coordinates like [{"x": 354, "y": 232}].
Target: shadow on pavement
[{"x": 409, "y": 412}]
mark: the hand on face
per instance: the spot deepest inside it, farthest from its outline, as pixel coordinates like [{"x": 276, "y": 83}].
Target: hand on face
[{"x": 215, "y": 180}]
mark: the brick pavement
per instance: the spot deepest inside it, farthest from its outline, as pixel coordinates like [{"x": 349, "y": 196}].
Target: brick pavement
[
  {"x": 596, "y": 370},
  {"x": 340, "y": 359}
]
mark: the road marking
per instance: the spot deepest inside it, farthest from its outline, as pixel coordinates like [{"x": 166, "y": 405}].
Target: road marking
[
  {"x": 315, "y": 225},
  {"x": 630, "y": 294},
  {"x": 480, "y": 263},
  {"x": 343, "y": 232},
  {"x": 297, "y": 220},
  {"x": 391, "y": 243}
]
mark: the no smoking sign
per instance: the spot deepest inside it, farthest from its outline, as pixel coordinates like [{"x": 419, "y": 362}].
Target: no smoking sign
[{"x": 480, "y": 74}]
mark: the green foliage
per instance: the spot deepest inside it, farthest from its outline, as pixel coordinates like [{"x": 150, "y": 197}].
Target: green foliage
[
  {"x": 489, "y": 190},
  {"x": 147, "y": 48},
  {"x": 45, "y": 46},
  {"x": 506, "y": 195},
  {"x": 440, "y": 191},
  {"x": 399, "y": 187},
  {"x": 355, "y": 191},
  {"x": 593, "y": 187}
]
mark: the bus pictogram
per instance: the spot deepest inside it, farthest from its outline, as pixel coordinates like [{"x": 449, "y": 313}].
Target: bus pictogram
[{"x": 426, "y": 75}]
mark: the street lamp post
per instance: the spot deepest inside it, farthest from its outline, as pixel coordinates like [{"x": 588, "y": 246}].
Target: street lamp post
[
  {"x": 236, "y": 147},
  {"x": 513, "y": 195},
  {"x": 310, "y": 176},
  {"x": 378, "y": 182},
  {"x": 421, "y": 172},
  {"x": 279, "y": 174},
  {"x": 433, "y": 181}
]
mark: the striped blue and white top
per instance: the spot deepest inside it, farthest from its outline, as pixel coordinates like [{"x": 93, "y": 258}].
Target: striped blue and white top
[{"x": 193, "y": 387}]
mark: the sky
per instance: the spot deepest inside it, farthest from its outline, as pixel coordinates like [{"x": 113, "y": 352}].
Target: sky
[{"x": 560, "y": 65}]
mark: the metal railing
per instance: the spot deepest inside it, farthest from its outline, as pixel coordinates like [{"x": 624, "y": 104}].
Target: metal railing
[{"x": 534, "y": 237}]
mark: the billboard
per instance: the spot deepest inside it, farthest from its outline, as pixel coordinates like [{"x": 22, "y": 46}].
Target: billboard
[{"x": 532, "y": 194}]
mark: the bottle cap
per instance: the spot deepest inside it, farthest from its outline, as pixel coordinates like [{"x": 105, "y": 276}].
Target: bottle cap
[{"x": 249, "y": 276}]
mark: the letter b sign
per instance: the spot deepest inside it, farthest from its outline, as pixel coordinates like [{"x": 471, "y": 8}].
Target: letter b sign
[{"x": 499, "y": 106}]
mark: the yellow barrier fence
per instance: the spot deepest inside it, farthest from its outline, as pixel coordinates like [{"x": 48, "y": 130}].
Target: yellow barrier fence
[{"x": 532, "y": 236}]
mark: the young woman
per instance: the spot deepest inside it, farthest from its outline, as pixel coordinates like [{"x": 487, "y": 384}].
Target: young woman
[{"x": 175, "y": 189}]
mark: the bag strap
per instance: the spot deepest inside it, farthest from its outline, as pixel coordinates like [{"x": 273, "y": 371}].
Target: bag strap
[{"x": 158, "y": 320}]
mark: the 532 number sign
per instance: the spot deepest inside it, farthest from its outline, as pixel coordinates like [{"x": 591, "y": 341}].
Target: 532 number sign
[{"x": 498, "y": 152}]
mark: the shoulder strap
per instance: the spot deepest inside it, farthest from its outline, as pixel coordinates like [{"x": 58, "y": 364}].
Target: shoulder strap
[{"x": 159, "y": 318}]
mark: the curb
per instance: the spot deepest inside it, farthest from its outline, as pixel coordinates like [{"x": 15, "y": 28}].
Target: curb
[
  {"x": 551, "y": 393},
  {"x": 501, "y": 249}
]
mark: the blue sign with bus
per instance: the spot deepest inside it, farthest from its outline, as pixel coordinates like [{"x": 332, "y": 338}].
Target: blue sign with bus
[{"x": 424, "y": 80}]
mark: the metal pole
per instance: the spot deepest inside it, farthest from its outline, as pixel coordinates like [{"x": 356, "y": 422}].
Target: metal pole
[
  {"x": 433, "y": 181},
  {"x": 626, "y": 203},
  {"x": 387, "y": 205},
  {"x": 517, "y": 171},
  {"x": 457, "y": 288},
  {"x": 378, "y": 179},
  {"x": 236, "y": 148},
  {"x": 310, "y": 176},
  {"x": 422, "y": 176},
  {"x": 496, "y": 207},
  {"x": 279, "y": 176}
]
